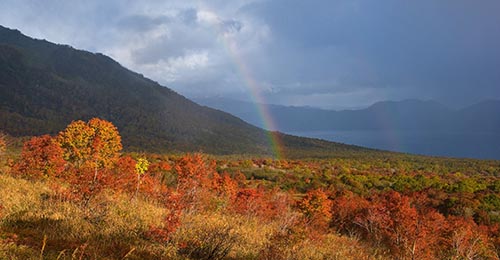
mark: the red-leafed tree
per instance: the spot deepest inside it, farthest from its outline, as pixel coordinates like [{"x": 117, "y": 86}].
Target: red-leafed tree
[
  {"x": 248, "y": 201},
  {"x": 467, "y": 240},
  {"x": 316, "y": 207},
  {"x": 40, "y": 157},
  {"x": 346, "y": 208},
  {"x": 279, "y": 206},
  {"x": 258, "y": 202},
  {"x": 194, "y": 180},
  {"x": 224, "y": 185},
  {"x": 124, "y": 174},
  {"x": 193, "y": 171},
  {"x": 153, "y": 182},
  {"x": 392, "y": 219}
]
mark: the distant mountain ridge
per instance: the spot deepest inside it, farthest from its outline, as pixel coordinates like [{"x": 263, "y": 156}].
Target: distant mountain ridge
[
  {"x": 414, "y": 115},
  {"x": 44, "y": 86}
]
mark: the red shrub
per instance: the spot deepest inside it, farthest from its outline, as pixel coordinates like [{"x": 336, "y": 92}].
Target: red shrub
[
  {"x": 172, "y": 220},
  {"x": 248, "y": 201},
  {"x": 41, "y": 157}
]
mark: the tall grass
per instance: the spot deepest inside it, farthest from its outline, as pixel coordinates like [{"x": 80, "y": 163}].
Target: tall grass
[{"x": 37, "y": 223}]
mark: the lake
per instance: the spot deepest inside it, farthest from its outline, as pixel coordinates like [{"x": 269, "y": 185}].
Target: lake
[{"x": 480, "y": 145}]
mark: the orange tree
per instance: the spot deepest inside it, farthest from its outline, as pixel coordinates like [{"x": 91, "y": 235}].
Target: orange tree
[
  {"x": 89, "y": 147},
  {"x": 316, "y": 207},
  {"x": 96, "y": 143}
]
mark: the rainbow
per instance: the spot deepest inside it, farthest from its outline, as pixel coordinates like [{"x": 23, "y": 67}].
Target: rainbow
[{"x": 257, "y": 98}]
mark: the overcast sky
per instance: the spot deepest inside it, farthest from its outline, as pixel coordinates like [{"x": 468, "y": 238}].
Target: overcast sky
[{"x": 330, "y": 54}]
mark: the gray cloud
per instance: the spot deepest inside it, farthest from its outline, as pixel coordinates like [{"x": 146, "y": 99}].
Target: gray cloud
[
  {"x": 345, "y": 53},
  {"x": 448, "y": 49},
  {"x": 141, "y": 23}
]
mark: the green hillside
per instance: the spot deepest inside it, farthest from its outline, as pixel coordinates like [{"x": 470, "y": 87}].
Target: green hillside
[{"x": 45, "y": 86}]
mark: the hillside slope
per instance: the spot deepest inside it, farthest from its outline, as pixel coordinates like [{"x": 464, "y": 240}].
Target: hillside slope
[{"x": 44, "y": 86}]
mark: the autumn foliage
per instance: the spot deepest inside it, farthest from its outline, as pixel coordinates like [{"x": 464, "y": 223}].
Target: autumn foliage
[
  {"x": 316, "y": 207},
  {"x": 299, "y": 205},
  {"x": 410, "y": 230},
  {"x": 96, "y": 143},
  {"x": 41, "y": 157}
]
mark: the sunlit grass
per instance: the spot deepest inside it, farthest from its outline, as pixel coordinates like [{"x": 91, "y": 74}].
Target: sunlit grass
[{"x": 38, "y": 224}]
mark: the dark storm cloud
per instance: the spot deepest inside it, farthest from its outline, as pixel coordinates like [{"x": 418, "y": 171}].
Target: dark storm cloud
[
  {"x": 449, "y": 49},
  {"x": 323, "y": 53}
]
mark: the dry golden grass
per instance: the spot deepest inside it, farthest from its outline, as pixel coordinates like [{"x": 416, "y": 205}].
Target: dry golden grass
[
  {"x": 334, "y": 247},
  {"x": 35, "y": 223},
  {"x": 242, "y": 237},
  {"x": 248, "y": 238},
  {"x": 111, "y": 225}
]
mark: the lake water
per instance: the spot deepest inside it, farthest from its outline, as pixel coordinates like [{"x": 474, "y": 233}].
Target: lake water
[{"x": 479, "y": 145}]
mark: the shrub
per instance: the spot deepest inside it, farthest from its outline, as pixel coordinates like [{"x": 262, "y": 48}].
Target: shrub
[{"x": 40, "y": 157}]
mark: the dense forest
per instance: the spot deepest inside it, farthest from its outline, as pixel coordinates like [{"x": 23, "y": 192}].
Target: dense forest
[{"x": 77, "y": 195}]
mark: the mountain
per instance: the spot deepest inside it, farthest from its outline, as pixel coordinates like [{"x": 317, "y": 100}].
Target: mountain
[
  {"x": 409, "y": 115},
  {"x": 45, "y": 86},
  {"x": 285, "y": 117},
  {"x": 483, "y": 116}
]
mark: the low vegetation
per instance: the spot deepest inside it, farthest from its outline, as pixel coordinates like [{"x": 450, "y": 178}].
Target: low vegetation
[{"x": 76, "y": 196}]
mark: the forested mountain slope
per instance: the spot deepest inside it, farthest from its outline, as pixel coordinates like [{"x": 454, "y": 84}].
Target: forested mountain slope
[{"x": 45, "y": 86}]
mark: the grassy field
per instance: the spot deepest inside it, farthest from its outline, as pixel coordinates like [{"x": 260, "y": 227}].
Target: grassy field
[
  {"x": 101, "y": 203},
  {"x": 36, "y": 223}
]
